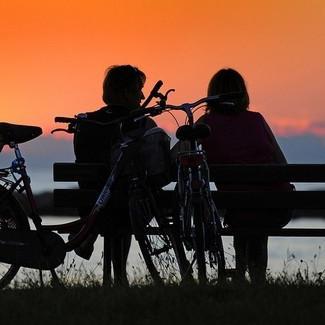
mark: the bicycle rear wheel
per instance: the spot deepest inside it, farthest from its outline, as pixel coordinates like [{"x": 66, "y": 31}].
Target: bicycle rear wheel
[
  {"x": 156, "y": 239},
  {"x": 12, "y": 217}
]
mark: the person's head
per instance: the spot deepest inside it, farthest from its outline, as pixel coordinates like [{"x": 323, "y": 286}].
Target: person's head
[
  {"x": 123, "y": 86},
  {"x": 227, "y": 81}
]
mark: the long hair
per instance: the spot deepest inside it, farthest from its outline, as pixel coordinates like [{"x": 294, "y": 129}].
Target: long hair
[
  {"x": 120, "y": 77},
  {"x": 228, "y": 81}
]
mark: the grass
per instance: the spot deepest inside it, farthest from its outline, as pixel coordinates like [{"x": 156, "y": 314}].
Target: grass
[
  {"x": 275, "y": 303},
  {"x": 287, "y": 298},
  {"x": 295, "y": 299}
]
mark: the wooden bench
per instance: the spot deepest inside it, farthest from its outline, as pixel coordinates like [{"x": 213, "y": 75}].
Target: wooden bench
[
  {"x": 295, "y": 173},
  {"x": 299, "y": 200}
]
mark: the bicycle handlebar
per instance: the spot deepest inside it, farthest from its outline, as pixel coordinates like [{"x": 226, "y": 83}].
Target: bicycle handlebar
[
  {"x": 227, "y": 98},
  {"x": 62, "y": 119}
]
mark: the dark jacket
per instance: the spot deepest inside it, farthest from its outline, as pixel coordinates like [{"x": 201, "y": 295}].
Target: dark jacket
[{"x": 93, "y": 143}]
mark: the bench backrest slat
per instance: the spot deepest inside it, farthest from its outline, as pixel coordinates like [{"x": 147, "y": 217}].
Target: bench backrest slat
[
  {"x": 268, "y": 173},
  {"x": 237, "y": 200},
  {"x": 73, "y": 172},
  {"x": 218, "y": 173}
]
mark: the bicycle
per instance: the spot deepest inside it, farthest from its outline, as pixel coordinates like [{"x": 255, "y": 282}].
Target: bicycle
[
  {"x": 199, "y": 224},
  {"x": 42, "y": 248}
]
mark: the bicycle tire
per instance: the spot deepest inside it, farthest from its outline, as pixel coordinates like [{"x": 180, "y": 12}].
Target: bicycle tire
[
  {"x": 199, "y": 241},
  {"x": 206, "y": 240},
  {"x": 158, "y": 250},
  {"x": 215, "y": 249},
  {"x": 12, "y": 216}
]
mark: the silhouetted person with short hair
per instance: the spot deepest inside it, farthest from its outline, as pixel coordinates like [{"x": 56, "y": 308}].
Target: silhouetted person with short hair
[
  {"x": 122, "y": 93},
  {"x": 240, "y": 136}
]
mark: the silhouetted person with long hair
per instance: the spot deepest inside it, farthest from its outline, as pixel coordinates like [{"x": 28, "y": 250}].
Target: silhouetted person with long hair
[
  {"x": 122, "y": 93},
  {"x": 240, "y": 136}
]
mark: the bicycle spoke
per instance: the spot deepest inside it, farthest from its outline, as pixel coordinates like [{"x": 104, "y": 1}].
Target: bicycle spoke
[{"x": 157, "y": 248}]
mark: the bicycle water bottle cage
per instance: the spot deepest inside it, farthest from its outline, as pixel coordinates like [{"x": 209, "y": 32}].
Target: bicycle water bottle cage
[
  {"x": 14, "y": 133},
  {"x": 195, "y": 132}
]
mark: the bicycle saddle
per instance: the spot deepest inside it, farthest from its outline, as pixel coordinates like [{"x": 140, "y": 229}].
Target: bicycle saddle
[
  {"x": 18, "y": 133},
  {"x": 198, "y": 131}
]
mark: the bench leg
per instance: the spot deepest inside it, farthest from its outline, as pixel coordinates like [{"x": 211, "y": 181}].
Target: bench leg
[{"x": 107, "y": 267}]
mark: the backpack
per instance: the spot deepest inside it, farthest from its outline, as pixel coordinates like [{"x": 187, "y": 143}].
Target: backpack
[{"x": 151, "y": 156}]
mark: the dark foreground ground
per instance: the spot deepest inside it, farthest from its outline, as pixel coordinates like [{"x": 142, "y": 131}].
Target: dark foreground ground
[{"x": 272, "y": 304}]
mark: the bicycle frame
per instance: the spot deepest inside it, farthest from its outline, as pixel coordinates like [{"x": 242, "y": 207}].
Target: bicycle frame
[
  {"x": 23, "y": 184},
  {"x": 102, "y": 200}
]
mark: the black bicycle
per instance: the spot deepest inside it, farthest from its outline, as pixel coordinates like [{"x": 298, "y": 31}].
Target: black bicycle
[
  {"x": 195, "y": 223},
  {"x": 43, "y": 248},
  {"x": 198, "y": 222}
]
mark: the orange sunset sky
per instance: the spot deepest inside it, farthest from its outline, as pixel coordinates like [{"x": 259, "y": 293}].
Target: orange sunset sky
[{"x": 54, "y": 54}]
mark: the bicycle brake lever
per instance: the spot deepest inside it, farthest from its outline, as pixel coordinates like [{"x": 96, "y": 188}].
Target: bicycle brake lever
[
  {"x": 163, "y": 98},
  {"x": 169, "y": 91}
]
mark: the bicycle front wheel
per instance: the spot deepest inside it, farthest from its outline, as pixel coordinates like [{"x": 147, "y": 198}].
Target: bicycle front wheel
[
  {"x": 203, "y": 232},
  {"x": 156, "y": 240},
  {"x": 12, "y": 217},
  {"x": 199, "y": 241}
]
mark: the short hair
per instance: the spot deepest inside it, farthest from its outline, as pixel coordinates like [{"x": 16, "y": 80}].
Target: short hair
[
  {"x": 228, "y": 81},
  {"x": 120, "y": 77}
]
